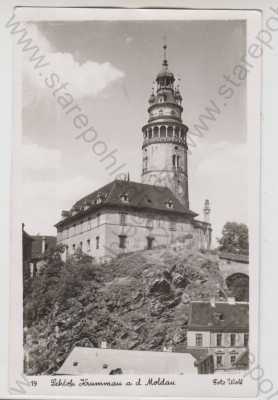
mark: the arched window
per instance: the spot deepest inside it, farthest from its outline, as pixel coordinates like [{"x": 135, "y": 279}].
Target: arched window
[
  {"x": 150, "y": 134},
  {"x": 178, "y": 161},
  {"x": 174, "y": 160},
  {"x": 163, "y": 131},
  {"x": 170, "y": 131},
  {"x": 155, "y": 131}
]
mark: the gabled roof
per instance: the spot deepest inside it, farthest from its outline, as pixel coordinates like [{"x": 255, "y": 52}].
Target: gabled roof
[
  {"x": 224, "y": 317},
  {"x": 140, "y": 197}
]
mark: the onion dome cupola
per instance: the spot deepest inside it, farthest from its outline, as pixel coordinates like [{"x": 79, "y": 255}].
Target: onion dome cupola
[{"x": 164, "y": 136}]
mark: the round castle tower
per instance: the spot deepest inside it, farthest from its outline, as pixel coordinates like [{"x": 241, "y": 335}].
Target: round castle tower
[{"x": 164, "y": 137}]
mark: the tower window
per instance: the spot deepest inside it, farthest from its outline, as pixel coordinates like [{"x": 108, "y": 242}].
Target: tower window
[
  {"x": 170, "y": 131},
  {"x": 73, "y": 248},
  {"x": 81, "y": 245},
  {"x": 88, "y": 245},
  {"x": 145, "y": 163},
  {"x": 122, "y": 219},
  {"x": 163, "y": 131},
  {"x": 122, "y": 241},
  {"x": 97, "y": 242},
  {"x": 174, "y": 160},
  {"x": 178, "y": 161},
  {"x": 150, "y": 134},
  {"x": 155, "y": 131},
  {"x": 150, "y": 243}
]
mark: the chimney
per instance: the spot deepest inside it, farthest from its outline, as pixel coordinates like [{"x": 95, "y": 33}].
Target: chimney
[
  {"x": 231, "y": 300},
  {"x": 212, "y": 301},
  {"x": 43, "y": 244}
]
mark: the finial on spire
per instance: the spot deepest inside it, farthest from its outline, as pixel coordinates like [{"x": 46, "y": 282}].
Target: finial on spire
[{"x": 165, "y": 62}]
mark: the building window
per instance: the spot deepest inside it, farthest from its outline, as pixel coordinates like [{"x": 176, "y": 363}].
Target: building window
[
  {"x": 169, "y": 204},
  {"x": 178, "y": 161},
  {"x": 124, "y": 198},
  {"x": 218, "y": 339},
  {"x": 81, "y": 245},
  {"x": 219, "y": 361},
  {"x": 122, "y": 241},
  {"x": 246, "y": 339},
  {"x": 233, "y": 360},
  {"x": 97, "y": 242},
  {"x": 73, "y": 248},
  {"x": 150, "y": 243},
  {"x": 149, "y": 223},
  {"x": 174, "y": 160},
  {"x": 199, "y": 340},
  {"x": 172, "y": 226},
  {"x": 233, "y": 339},
  {"x": 88, "y": 245},
  {"x": 122, "y": 219},
  {"x": 98, "y": 219}
]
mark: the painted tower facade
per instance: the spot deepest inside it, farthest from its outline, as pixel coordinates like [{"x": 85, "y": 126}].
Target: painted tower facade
[{"x": 164, "y": 137}]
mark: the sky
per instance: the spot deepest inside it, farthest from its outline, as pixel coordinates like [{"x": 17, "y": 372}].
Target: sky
[{"x": 110, "y": 67}]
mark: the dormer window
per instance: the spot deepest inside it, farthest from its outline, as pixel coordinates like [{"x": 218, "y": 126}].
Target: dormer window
[
  {"x": 124, "y": 198},
  {"x": 169, "y": 204},
  {"x": 99, "y": 198}
]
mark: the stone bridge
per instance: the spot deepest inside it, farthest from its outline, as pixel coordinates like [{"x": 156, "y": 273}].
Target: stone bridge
[{"x": 235, "y": 271}]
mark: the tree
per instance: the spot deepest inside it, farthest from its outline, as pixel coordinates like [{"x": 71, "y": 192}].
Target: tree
[{"x": 234, "y": 238}]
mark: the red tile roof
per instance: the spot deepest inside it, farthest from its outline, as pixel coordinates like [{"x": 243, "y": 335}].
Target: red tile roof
[
  {"x": 140, "y": 197},
  {"x": 224, "y": 317}
]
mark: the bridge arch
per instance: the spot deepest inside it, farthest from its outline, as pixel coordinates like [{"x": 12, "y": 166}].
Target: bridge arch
[{"x": 238, "y": 286}]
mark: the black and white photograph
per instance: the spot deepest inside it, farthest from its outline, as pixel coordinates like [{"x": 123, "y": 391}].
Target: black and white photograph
[{"x": 136, "y": 214}]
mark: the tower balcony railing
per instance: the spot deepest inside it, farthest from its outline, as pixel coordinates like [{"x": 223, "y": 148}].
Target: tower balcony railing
[{"x": 158, "y": 139}]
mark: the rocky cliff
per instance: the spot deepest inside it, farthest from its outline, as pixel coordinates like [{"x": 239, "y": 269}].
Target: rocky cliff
[{"x": 136, "y": 301}]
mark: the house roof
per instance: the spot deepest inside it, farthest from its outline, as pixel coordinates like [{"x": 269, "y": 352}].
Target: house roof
[
  {"x": 224, "y": 317},
  {"x": 37, "y": 245},
  {"x": 140, "y": 196},
  {"x": 243, "y": 360},
  {"x": 84, "y": 360}
]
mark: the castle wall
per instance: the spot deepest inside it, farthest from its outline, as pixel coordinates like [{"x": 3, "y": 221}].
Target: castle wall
[{"x": 135, "y": 231}]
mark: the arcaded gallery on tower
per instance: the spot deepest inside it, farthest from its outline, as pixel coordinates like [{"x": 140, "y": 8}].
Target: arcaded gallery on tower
[{"x": 125, "y": 216}]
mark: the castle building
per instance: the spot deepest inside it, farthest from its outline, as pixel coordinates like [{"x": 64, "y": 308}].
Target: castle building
[{"x": 125, "y": 216}]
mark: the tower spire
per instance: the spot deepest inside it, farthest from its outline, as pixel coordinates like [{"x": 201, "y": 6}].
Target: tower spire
[{"x": 165, "y": 62}]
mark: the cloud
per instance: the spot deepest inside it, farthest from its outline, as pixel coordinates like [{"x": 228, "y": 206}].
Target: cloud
[
  {"x": 39, "y": 159},
  {"x": 88, "y": 78}
]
